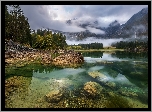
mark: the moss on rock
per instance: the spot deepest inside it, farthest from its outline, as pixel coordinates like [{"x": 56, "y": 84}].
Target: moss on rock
[
  {"x": 54, "y": 96},
  {"x": 96, "y": 74},
  {"x": 92, "y": 88}
]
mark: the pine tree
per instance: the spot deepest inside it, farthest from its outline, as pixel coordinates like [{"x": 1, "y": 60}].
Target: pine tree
[{"x": 17, "y": 27}]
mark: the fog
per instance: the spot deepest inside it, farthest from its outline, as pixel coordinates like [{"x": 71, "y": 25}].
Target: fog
[
  {"x": 139, "y": 27},
  {"x": 96, "y": 31},
  {"x": 106, "y": 42}
]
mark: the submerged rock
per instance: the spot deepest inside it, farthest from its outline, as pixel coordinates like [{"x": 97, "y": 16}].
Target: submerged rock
[
  {"x": 54, "y": 96},
  {"x": 92, "y": 88},
  {"x": 138, "y": 75},
  {"x": 96, "y": 74},
  {"x": 16, "y": 89},
  {"x": 111, "y": 84},
  {"x": 127, "y": 92}
]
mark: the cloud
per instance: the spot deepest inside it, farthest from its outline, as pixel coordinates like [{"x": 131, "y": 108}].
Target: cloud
[
  {"x": 84, "y": 19},
  {"x": 55, "y": 16},
  {"x": 109, "y": 13},
  {"x": 52, "y": 17},
  {"x": 139, "y": 27},
  {"x": 106, "y": 42},
  {"x": 71, "y": 28},
  {"x": 96, "y": 31}
]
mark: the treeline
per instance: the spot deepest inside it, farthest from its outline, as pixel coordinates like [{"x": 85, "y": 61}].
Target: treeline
[
  {"x": 86, "y": 46},
  {"x": 97, "y": 54},
  {"x": 18, "y": 30},
  {"x": 132, "y": 46},
  {"x": 92, "y": 46}
]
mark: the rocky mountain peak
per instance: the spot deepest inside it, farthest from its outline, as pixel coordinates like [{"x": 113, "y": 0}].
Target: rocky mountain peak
[
  {"x": 144, "y": 10},
  {"x": 114, "y": 23}
]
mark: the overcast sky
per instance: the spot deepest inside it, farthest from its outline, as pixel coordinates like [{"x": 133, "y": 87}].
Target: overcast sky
[{"x": 55, "y": 16}]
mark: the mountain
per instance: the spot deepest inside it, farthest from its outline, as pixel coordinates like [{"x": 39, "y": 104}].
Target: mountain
[
  {"x": 88, "y": 25},
  {"x": 112, "y": 29},
  {"x": 137, "y": 24}
]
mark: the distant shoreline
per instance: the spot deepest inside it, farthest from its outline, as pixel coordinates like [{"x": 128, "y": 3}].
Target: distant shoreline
[{"x": 91, "y": 50}]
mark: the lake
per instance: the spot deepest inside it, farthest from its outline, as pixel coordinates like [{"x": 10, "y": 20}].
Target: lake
[{"x": 105, "y": 80}]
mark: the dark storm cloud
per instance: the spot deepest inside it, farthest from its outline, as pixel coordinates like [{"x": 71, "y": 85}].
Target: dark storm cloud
[
  {"x": 106, "y": 10},
  {"x": 109, "y": 13},
  {"x": 39, "y": 17}
]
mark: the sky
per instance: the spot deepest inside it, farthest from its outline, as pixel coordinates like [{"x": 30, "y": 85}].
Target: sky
[{"x": 55, "y": 16}]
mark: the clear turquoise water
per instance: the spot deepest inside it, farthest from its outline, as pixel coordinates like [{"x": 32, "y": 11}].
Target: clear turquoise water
[{"x": 129, "y": 73}]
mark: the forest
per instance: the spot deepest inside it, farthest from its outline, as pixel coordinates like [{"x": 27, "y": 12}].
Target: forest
[
  {"x": 18, "y": 30},
  {"x": 134, "y": 46}
]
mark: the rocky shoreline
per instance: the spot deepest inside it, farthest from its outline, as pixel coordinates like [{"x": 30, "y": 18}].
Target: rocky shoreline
[
  {"x": 18, "y": 55},
  {"x": 68, "y": 58}
]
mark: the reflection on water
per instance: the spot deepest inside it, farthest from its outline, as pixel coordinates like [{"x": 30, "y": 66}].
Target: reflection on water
[
  {"x": 124, "y": 82},
  {"x": 57, "y": 74},
  {"x": 130, "y": 55},
  {"x": 104, "y": 57},
  {"x": 122, "y": 79},
  {"x": 95, "y": 68}
]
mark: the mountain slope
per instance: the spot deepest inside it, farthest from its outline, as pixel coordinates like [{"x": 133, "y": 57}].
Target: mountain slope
[{"x": 137, "y": 24}]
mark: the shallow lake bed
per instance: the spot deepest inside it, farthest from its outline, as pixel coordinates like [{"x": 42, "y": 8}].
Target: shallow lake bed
[{"x": 123, "y": 79}]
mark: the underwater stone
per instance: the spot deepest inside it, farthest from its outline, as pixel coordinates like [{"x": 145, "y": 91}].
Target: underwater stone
[
  {"x": 127, "y": 92},
  {"x": 96, "y": 74},
  {"x": 54, "y": 96},
  {"x": 111, "y": 84},
  {"x": 92, "y": 88},
  {"x": 137, "y": 74}
]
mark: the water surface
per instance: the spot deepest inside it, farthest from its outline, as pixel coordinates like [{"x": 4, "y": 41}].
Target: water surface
[{"x": 123, "y": 77}]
